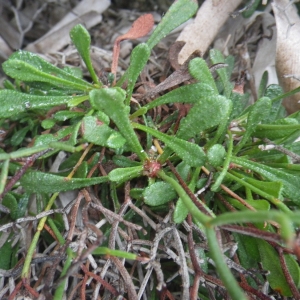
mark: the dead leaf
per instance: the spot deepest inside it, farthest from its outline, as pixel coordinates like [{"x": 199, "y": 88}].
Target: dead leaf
[
  {"x": 287, "y": 50},
  {"x": 199, "y": 35},
  {"x": 140, "y": 27}
]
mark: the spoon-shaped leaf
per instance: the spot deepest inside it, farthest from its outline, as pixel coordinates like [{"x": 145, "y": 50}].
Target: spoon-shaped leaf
[
  {"x": 111, "y": 102},
  {"x": 82, "y": 41},
  {"x": 27, "y": 66},
  {"x": 259, "y": 110},
  {"x": 13, "y": 103},
  {"x": 179, "y": 12}
]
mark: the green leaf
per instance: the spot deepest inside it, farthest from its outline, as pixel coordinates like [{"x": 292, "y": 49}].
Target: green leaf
[
  {"x": 258, "y": 111},
  {"x": 217, "y": 57},
  {"x": 3, "y": 174},
  {"x": 64, "y": 115},
  {"x": 250, "y": 10},
  {"x": 216, "y": 155},
  {"x": 124, "y": 162},
  {"x": 19, "y": 136},
  {"x": 46, "y": 139},
  {"x": 13, "y": 103},
  {"x": 271, "y": 263},
  {"x": 192, "y": 154},
  {"x": 207, "y": 113},
  {"x": 185, "y": 94},
  {"x": 125, "y": 174},
  {"x": 271, "y": 188},
  {"x": 10, "y": 201},
  {"x": 278, "y": 129},
  {"x": 6, "y": 251},
  {"x": 39, "y": 182},
  {"x": 200, "y": 71},
  {"x": 112, "y": 252},
  {"x": 26, "y": 66},
  {"x": 82, "y": 41},
  {"x": 179, "y": 12},
  {"x": 257, "y": 204},
  {"x": 263, "y": 84},
  {"x": 180, "y": 212},
  {"x": 159, "y": 193},
  {"x": 291, "y": 183},
  {"x": 100, "y": 134},
  {"x": 111, "y": 102},
  {"x": 138, "y": 59}
]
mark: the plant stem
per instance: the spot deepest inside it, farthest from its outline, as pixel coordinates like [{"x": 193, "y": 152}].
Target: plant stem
[
  {"x": 192, "y": 208},
  {"x": 228, "y": 279}
]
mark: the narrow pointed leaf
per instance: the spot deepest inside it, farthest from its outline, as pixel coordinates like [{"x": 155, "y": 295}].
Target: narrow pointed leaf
[
  {"x": 179, "y": 12},
  {"x": 217, "y": 57},
  {"x": 3, "y": 174},
  {"x": 13, "y": 103},
  {"x": 39, "y": 182},
  {"x": 271, "y": 263},
  {"x": 111, "y": 102},
  {"x": 138, "y": 60},
  {"x": 29, "y": 67},
  {"x": 278, "y": 129},
  {"x": 192, "y": 154},
  {"x": 291, "y": 183},
  {"x": 186, "y": 94},
  {"x": 259, "y": 110},
  {"x": 82, "y": 41},
  {"x": 101, "y": 134}
]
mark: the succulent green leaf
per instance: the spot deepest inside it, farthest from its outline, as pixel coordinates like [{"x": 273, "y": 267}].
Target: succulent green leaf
[
  {"x": 179, "y": 12},
  {"x": 180, "y": 212},
  {"x": 64, "y": 115},
  {"x": 278, "y": 129},
  {"x": 159, "y": 193},
  {"x": 216, "y": 155},
  {"x": 46, "y": 139},
  {"x": 39, "y": 182},
  {"x": 82, "y": 41},
  {"x": 291, "y": 183},
  {"x": 207, "y": 113},
  {"x": 258, "y": 111},
  {"x": 13, "y": 103},
  {"x": 26, "y": 66},
  {"x": 100, "y": 134},
  {"x": 192, "y": 154},
  {"x": 272, "y": 188},
  {"x": 263, "y": 84},
  {"x": 200, "y": 71},
  {"x": 111, "y": 102},
  {"x": 3, "y": 175},
  {"x": 138, "y": 60},
  {"x": 10, "y": 201},
  {"x": 19, "y": 136},
  {"x": 124, "y": 162},
  {"x": 6, "y": 251},
  {"x": 112, "y": 252},
  {"x": 257, "y": 204},
  {"x": 217, "y": 57},
  {"x": 271, "y": 263},
  {"x": 125, "y": 174},
  {"x": 185, "y": 94}
]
